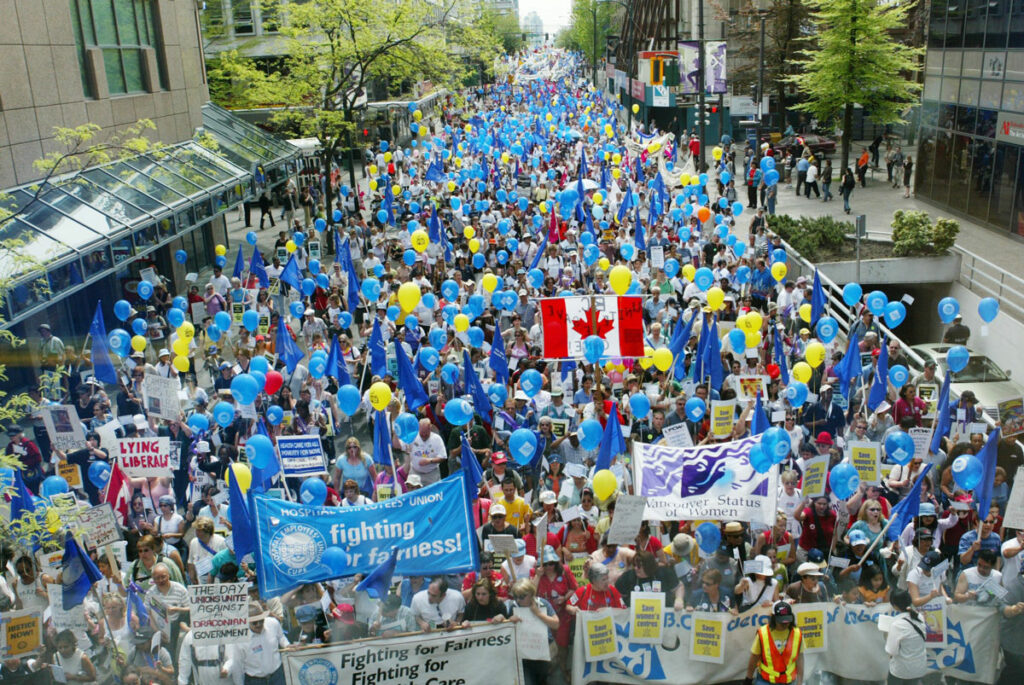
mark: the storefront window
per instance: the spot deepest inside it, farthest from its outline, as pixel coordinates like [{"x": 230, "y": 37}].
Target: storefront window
[
  {"x": 66, "y": 276},
  {"x": 960, "y": 173},
  {"x": 981, "y": 180},
  {"x": 97, "y": 260},
  {"x": 146, "y": 238}
]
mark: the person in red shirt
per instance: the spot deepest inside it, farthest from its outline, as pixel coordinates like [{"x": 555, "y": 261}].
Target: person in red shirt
[
  {"x": 487, "y": 570},
  {"x": 557, "y": 584},
  {"x": 597, "y": 594},
  {"x": 909, "y": 405},
  {"x": 819, "y": 524}
]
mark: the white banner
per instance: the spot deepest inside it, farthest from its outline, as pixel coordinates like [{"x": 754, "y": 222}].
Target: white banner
[
  {"x": 971, "y": 652},
  {"x": 145, "y": 457},
  {"x": 161, "y": 395},
  {"x": 219, "y": 613},
  {"x": 459, "y": 657}
]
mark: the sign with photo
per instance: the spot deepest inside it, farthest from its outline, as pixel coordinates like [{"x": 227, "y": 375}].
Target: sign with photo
[
  {"x": 63, "y": 426},
  {"x": 161, "y": 396}
]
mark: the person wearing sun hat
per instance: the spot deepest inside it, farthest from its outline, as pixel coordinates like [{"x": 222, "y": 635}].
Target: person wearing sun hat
[{"x": 262, "y": 660}]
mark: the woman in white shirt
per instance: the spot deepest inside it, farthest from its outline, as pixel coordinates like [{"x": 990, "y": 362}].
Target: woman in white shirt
[
  {"x": 759, "y": 588},
  {"x": 905, "y": 644}
]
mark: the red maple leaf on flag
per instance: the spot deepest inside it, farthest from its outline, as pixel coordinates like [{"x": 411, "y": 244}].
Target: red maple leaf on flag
[{"x": 586, "y": 326}]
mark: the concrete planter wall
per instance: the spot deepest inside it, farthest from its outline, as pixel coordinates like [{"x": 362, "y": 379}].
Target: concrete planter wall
[{"x": 895, "y": 270}]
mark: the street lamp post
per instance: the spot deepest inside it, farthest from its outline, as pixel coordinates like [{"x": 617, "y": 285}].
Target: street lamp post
[
  {"x": 760, "y": 83},
  {"x": 700, "y": 84},
  {"x": 593, "y": 26}
]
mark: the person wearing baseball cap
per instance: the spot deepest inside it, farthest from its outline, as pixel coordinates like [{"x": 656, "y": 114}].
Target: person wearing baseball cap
[
  {"x": 770, "y": 663},
  {"x": 498, "y": 524}
]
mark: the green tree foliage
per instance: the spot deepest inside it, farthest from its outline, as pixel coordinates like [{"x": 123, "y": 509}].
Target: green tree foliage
[
  {"x": 913, "y": 233},
  {"x": 855, "y": 59},
  {"x": 581, "y": 32},
  {"x": 505, "y": 28}
]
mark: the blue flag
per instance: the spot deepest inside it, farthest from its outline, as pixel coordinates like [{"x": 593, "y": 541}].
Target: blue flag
[
  {"x": 408, "y": 383},
  {"x": 497, "y": 360},
  {"x": 818, "y": 301},
  {"x": 437, "y": 234},
  {"x": 540, "y": 251},
  {"x": 353, "y": 280},
  {"x": 638, "y": 230},
  {"x": 435, "y": 172},
  {"x": 239, "y": 264},
  {"x": 21, "y": 498},
  {"x": 378, "y": 583},
  {"x": 880, "y": 386},
  {"x": 287, "y": 350},
  {"x": 258, "y": 267},
  {"x": 848, "y": 369},
  {"x": 698, "y": 358},
  {"x": 943, "y": 421},
  {"x": 78, "y": 573},
  {"x": 381, "y": 439},
  {"x": 780, "y": 356},
  {"x": 241, "y": 522},
  {"x": 759, "y": 421},
  {"x": 584, "y": 170},
  {"x": 378, "y": 351},
  {"x": 606, "y": 177},
  {"x": 481, "y": 402},
  {"x": 336, "y": 366},
  {"x": 389, "y": 203},
  {"x": 680, "y": 338},
  {"x": 471, "y": 470},
  {"x": 713, "y": 357},
  {"x": 612, "y": 442},
  {"x": 263, "y": 479},
  {"x": 627, "y": 203},
  {"x": 987, "y": 457},
  {"x": 103, "y": 367},
  {"x": 136, "y": 606},
  {"x": 906, "y": 510},
  {"x": 290, "y": 274}
]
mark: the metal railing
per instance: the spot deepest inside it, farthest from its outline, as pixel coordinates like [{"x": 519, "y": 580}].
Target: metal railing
[{"x": 984, "y": 278}]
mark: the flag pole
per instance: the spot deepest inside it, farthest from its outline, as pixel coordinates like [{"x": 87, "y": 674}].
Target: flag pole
[{"x": 878, "y": 537}]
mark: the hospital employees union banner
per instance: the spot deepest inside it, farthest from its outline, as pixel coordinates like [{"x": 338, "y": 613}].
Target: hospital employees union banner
[
  {"x": 432, "y": 529},
  {"x": 704, "y": 482}
]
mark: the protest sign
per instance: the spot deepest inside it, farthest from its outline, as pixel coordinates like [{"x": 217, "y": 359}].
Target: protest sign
[
  {"x": 810, "y": 619},
  {"x": 1014, "y": 517},
  {"x": 504, "y": 545},
  {"x": 707, "y": 642},
  {"x": 677, "y": 435},
  {"x": 599, "y": 635},
  {"x": 657, "y": 256},
  {"x": 1011, "y": 414},
  {"x": 108, "y": 434},
  {"x": 629, "y": 514},
  {"x": 63, "y": 427},
  {"x": 929, "y": 393},
  {"x": 145, "y": 457},
  {"x": 72, "y": 473},
  {"x": 314, "y": 249},
  {"x": 532, "y": 636},
  {"x": 678, "y": 482},
  {"x": 301, "y": 455},
  {"x": 22, "y": 633},
  {"x": 747, "y": 387},
  {"x": 723, "y": 417},
  {"x": 432, "y": 529},
  {"x": 578, "y": 565},
  {"x": 198, "y": 312},
  {"x": 864, "y": 457},
  {"x": 439, "y": 658},
  {"x": 934, "y": 616},
  {"x": 922, "y": 438},
  {"x": 559, "y": 427},
  {"x": 815, "y": 474},
  {"x": 219, "y": 613},
  {"x": 67, "y": 618},
  {"x": 263, "y": 327},
  {"x": 237, "y": 311},
  {"x": 161, "y": 395},
  {"x": 646, "y": 616},
  {"x": 99, "y": 525}
]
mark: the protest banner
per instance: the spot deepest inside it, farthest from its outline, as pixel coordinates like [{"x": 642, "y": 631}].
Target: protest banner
[
  {"x": 815, "y": 474},
  {"x": 646, "y": 616},
  {"x": 1011, "y": 415},
  {"x": 63, "y": 427},
  {"x": 598, "y": 631},
  {"x": 22, "y": 633},
  {"x": 707, "y": 640},
  {"x": 532, "y": 637},
  {"x": 681, "y": 483},
  {"x": 810, "y": 619},
  {"x": 145, "y": 457},
  {"x": 432, "y": 529},
  {"x": 934, "y": 616},
  {"x": 864, "y": 456},
  {"x": 99, "y": 525},
  {"x": 929, "y": 393},
  {"x": 72, "y": 473},
  {"x": 747, "y": 387},
  {"x": 161, "y": 395},
  {"x": 922, "y": 438},
  {"x": 629, "y": 514},
  {"x": 723, "y": 417},
  {"x": 219, "y": 613},
  {"x": 438, "y": 658},
  {"x": 301, "y": 455},
  {"x": 677, "y": 435},
  {"x": 577, "y": 565},
  {"x": 971, "y": 654},
  {"x": 1014, "y": 517}
]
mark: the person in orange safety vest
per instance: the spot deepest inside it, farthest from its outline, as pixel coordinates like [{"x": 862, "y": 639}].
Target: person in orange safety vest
[{"x": 777, "y": 654}]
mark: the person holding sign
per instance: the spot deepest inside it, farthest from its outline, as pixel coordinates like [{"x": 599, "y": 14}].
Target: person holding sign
[
  {"x": 73, "y": 663},
  {"x": 525, "y": 600},
  {"x": 646, "y": 575},
  {"x": 597, "y": 594},
  {"x": 777, "y": 655}
]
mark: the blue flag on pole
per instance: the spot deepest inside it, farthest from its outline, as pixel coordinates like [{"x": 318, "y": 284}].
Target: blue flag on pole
[
  {"x": 239, "y": 264},
  {"x": 638, "y": 229},
  {"x": 78, "y": 573},
  {"x": 378, "y": 583},
  {"x": 713, "y": 357},
  {"x": 818, "y": 300},
  {"x": 381, "y": 439},
  {"x": 943, "y": 421},
  {"x": 481, "y": 402},
  {"x": 287, "y": 350},
  {"x": 102, "y": 366},
  {"x": 241, "y": 522},
  {"x": 21, "y": 498},
  {"x": 780, "y": 356},
  {"x": 584, "y": 169},
  {"x": 627, "y": 203},
  {"x": 435, "y": 172},
  {"x": 759, "y": 421},
  {"x": 336, "y": 366},
  {"x": 987, "y": 457},
  {"x": 408, "y": 383},
  {"x": 258, "y": 267},
  {"x": 378, "y": 351},
  {"x": 680, "y": 338},
  {"x": 136, "y": 606},
  {"x": 471, "y": 470},
  {"x": 540, "y": 251},
  {"x": 906, "y": 509},
  {"x": 353, "y": 280},
  {"x": 848, "y": 369},
  {"x": 612, "y": 442},
  {"x": 880, "y": 386},
  {"x": 497, "y": 359},
  {"x": 290, "y": 274}
]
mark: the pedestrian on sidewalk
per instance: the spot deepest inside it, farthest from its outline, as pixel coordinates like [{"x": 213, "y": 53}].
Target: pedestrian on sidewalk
[
  {"x": 802, "y": 165},
  {"x": 897, "y": 165},
  {"x": 265, "y": 208},
  {"x": 862, "y": 168},
  {"x": 846, "y": 186},
  {"x": 811, "y": 182},
  {"x": 826, "y": 181},
  {"x": 908, "y": 175}
]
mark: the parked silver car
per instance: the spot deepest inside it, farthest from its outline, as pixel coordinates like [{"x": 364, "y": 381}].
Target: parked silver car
[{"x": 990, "y": 384}]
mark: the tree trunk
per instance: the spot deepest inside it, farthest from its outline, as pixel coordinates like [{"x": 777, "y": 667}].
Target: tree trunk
[{"x": 847, "y": 133}]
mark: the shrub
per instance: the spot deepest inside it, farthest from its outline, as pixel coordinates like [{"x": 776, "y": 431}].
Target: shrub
[
  {"x": 809, "y": 236},
  {"x": 914, "y": 234}
]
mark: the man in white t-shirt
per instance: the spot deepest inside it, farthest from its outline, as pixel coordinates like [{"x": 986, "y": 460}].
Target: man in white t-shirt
[
  {"x": 439, "y": 606},
  {"x": 426, "y": 452},
  {"x": 1011, "y": 551}
]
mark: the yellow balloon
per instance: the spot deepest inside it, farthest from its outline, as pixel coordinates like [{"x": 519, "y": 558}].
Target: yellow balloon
[
  {"x": 636, "y": 108},
  {"x": 620, "y": 278},
  {"x": 543, "y": 207},
  {"x": 408, "y": 296},
  {"x": 424, "y": 132},
  {"x": 489, "y": 282},
  {"x": 606, "y": 155},
  {"x": 603, "y": 263},
  {"x": 417, "y": 115},
  {"x": 815, "y": 354},
  {"x": 504, "y": 158},
  {"x": 419, "y": 239},
  {"x": 396, "y": 189},
  {"x": 243, "y": 476},
  {"x": 187, "y": 330},
  {"x": 220, "y": 250},
  {"x": 180, "y": 363},
  {"x": 380, "y": 395},
  {"x": 802, "y": 372},
  {"x": 474, "y": 245},
  {"x": 653, "y": 148},
  {"x": 805, "y": 312},
  {"x": 716, "y": 297},
  {"x": 716, "y": 152},
  {"x": 548, "y": 117},
  {"x": 753, "y": 339},
  {"x": 616, "y": 172},
  {"x": 469, "y": 232},
  {"x": 458, "y": 161},
  {"x": 598, "y": 198},
  {"x": 685, "y": 179},
  {"x": 372, "y": 169},
  {"x": 778, "y": 271},
  {"x": 290, "y": 246},
  {"x": 647, "y": 360},
  {"x": 373, "y": 184},
  {"x": 461, "y": 322},
  {"x": 180, "y": 347},
  {"x": 662, "y": 358},
  {"x": 605, "y": 483},
  {"x": 754, "y": 321},
  {"x": 138, "y": 343},
  {"x": 616, "y": 159},
  {"x": 387, "y": 156},
  {"x": 621, "y": 368},
  {"x": 689, "y": 271},
  {"x": 451, "y": 186}
]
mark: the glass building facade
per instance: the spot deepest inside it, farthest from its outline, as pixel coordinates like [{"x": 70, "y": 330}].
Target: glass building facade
[{"x": 971, "y": 154}]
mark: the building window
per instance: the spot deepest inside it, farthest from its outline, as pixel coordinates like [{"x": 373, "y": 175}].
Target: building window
[
  {"x": 122, "y": 30},
  {"x": 241, "y": 17}
]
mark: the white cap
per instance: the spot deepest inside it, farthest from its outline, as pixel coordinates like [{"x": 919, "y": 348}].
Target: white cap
[
  {"x": 808, "y": 569},
  {"x": 202, "y": 446}
]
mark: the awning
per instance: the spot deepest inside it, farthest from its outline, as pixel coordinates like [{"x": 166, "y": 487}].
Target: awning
[{"x": 247, "y": 145}]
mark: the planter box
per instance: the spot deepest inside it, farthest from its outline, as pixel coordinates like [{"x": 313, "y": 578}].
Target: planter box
[{"x": 895, "y": 270}]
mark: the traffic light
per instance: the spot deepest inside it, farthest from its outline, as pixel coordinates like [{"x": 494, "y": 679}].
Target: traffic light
[
  {"x": 366, "y": 133},
  {"x": 709, "y": 109}
]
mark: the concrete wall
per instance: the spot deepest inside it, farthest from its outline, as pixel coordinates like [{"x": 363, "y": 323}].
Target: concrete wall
[
  {"x": 1005, "y": 334},
  {"x": 898, "y": 270},
  {"x": 41, "y": 84}
]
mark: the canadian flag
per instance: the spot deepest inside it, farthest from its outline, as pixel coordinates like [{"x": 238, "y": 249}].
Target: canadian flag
[
  {"x": 119, "y": 492},
  {"x": 568, "y": 321}
]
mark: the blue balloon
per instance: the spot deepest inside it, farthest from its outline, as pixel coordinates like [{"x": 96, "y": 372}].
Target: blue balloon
[
  {"x": 349, "y": 399},
  {"x": 181, "y": 303},
  {"x": 671, "y": 267},
  {"x": 899, "y": 447},
  {"x": 180, "y": 256},
  {"x": 314, "y": 493},
  {"x": 640, "y": 405},
  {"x": 322, "y": 281},
  {"x": 894, "y": 314},
  {"x": 99, "y": 474},
  {"x": 275, "y": 415},
  {"x": 449, "y": 373},
  {"x": 458, "y": 412},
  {"x": 337, "y": 213},
  {"x": 259, "y": 364},
  {"x": 223, "y": 321},
  {"x": 738, "y": 340},
  {"x": 739, "y": 248},
  {"x": 531, "y": 382},
  {"x": 589, "y": 433},
  {"x": 988, "y": 309},
  {"x": 297, "y": 308},
  {"x": 334, "y": 558},
  {"x": 957, "y": 358},
  {"x": 536, "y": 277},
  {"x": 772, "y": 177},
  {"x": 409, "y": 257},
  {"x": 139, "y": 326},
  {"x": 308, "y": 286},
  {"x": 119, "y": 341},
  {"x": 220, "y": 261},
  {"x": 259, "y": 449},
  {"x": 320, "y": 225},
  {"x": 175, "y": 317},
  {"x": 392, "y": 312},
  {"x": 371, "y": 289},
  {"x": 948, "y": 308},
  {"x": 250, "y": 320},
  {"x": 760, "y": 460},
  {"x": 244, "y": 388},
  {"x": 875, "y": 302},
  {"x": 449, "y": 290},
  {"x": 497, "y": 394},
  {"x": 476, "y": 336},
  {"x": 314, "y": 266},
  {"x": 852, "y": 292},
  {"x": 223, "y": 414},
  {"x": 704, "y": 278},
  {"x": 898, "y": 375},
  {"x": 382, "y": 216},
  {"x": 523, "y": 204},
  {"x": 251, "y": 237},
  {"x": 53, "y": 485},
  {"x": 695, "y": 409},
  {"x": 627, "y": 250},
  {"x": 796, "y": 393},
  {"x": 384, "y": 144},
  {"x": 522, "y": 444},
  {"x": 593, "y": 348},
  {"x": 378, "y": 271},
  {"x": 144, "y": 290},
  {"x": 709, "y": 537},
  {"x": 502, "y": 256},
  {"x": 213, "y": 332},
  {"x": 844, "y": 480},
  {"x": 198, "y": 422},
  {"x": 317, "y": 367},
  {"x": 406, "y": 427},
  {"x": 122, "y": 310},
  {"x": 743, "y": 272},
  {"x": 437, "y": 338},
  {"x": 478, "y": 260},
  {"x": 776, "y": 443},
  {"x": 476, "y": 304},
  {"x": 737, "y": 208},
  {"x": 967, "y": 471},
  {"x": 827, "y": 329},
  {"x": 591, "y": 253},
  {"x": 428, "y": 357}
]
